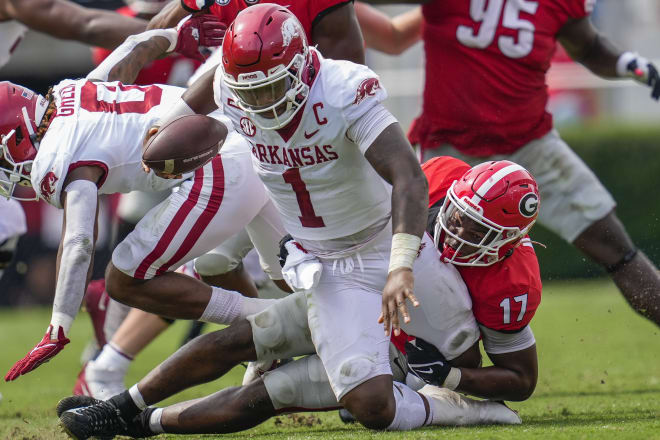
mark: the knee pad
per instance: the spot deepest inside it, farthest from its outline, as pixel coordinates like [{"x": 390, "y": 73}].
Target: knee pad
[
  {"x": 281, "y": 330},
  {"x": 215, "y": 264},
  {"x": 300, "y": 384}
]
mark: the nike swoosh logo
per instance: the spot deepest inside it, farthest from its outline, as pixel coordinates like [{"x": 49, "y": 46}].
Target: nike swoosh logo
[
  {"x": 307, "y": 136},
  {"x": 419, "y": 370}
]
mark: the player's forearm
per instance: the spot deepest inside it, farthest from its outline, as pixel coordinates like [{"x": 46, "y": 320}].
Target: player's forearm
[
  {"x": 76, "y": 251},
  {"x": 199, "y": 96},
  {"x": 601, "y": 58},
  {"x": 410, "y": 200},
  {"x": 125, "y": 62},
  {"x": 391, "y": 36},
  {"x": 168, "y": 17},
  {"x": 67, "y": 20},
  {"x": 496, "y": 383}
]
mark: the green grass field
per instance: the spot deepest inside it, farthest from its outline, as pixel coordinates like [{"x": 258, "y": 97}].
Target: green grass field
[{"x": 599, "y": 377}]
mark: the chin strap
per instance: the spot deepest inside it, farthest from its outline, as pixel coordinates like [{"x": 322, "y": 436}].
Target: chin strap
[{"x": 622, "y": 262}]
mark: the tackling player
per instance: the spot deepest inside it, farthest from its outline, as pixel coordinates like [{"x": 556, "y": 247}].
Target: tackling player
[
  {"x": 499, "y": 52},
  {"x": 12, "y": 226}
]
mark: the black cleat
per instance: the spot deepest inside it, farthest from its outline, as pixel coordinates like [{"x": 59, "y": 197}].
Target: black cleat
[
  {"x": 75, "y": 402},
  {"x": 101, "y": 420}
]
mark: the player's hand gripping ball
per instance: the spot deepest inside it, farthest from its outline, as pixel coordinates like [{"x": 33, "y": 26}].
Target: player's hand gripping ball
[{"x": 184, "y": 145}]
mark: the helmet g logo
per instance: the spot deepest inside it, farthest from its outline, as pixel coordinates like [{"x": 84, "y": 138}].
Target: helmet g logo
[{"x": 529, "y": 204}]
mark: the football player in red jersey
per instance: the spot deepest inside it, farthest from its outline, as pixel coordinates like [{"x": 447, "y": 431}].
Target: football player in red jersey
[
  {"x": 499, "y": 53},
  {"x": 329, "y": 24},
  {"x": 62, "y": 19}
]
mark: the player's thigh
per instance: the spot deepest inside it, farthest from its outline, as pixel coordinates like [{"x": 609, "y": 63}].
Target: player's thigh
[
  {"x": 281, "y": 331},
  {"x": 444, "y": 316},
  {"x": 265, "y": 231},
  {"x": 343, "y": 315},
  {"x": 206, "y": 210},
  {"x": 572, "y": 197}
]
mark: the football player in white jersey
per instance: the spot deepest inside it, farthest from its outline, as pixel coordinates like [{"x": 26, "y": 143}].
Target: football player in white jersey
[
  {"x": 62, "y": 19},
  {"x": 341, "y": 174},
  {"x": 84, "y": 139}
]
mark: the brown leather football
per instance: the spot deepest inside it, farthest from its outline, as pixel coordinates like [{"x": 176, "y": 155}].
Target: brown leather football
[{"x": 184, "y": 144}]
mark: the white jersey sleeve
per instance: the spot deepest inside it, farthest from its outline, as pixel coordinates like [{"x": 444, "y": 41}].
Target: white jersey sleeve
[
  {"x": 11, "y": 33},
  {"x": 12, "y": 220},
  {"x": 499, "y": 342}
]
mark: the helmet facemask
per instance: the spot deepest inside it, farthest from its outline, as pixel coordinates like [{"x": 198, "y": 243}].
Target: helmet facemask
[
  {"x": 271, "y": 101},
  {"x": 13, "y": 173},
  {"x": 480, "y": 241}
]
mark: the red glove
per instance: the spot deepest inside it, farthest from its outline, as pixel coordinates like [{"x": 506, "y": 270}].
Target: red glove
[
  {"x": 197, "y": 33},
  {"x": 43, "y": 352}
]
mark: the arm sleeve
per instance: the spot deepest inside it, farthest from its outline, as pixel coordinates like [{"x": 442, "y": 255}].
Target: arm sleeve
[
  {"x": 369, "y": 126},
  {"x": 499, "y": 343},
  {"x": 77, "y": 251}
]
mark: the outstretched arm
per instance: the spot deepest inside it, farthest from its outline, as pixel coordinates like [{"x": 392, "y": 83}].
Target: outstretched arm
[
  {"x": 389, "y": 35},
  {"x": 392, "y": 157},
  {"x": 67, "y": 20},
  {"x": 337, "y": 35},
  {"x": 74, "y": 262},
  {"x": 587, "y": 46}
]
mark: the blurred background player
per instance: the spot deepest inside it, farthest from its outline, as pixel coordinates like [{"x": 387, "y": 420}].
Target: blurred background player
[
  {"x": 12, "y": 226},
  {"x": 490, "y": 104}
]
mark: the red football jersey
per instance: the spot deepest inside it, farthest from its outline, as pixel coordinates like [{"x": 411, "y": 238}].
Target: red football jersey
[
  {"x": 175, "y": 69},
  {"x": 505, "y": 295},
  {"x": 486, "y": 62},
  {"x": 307, "y": 11}
]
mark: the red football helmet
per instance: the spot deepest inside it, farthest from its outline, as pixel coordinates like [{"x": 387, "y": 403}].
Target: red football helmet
[
  {"x": 21, "y": 111},
  {"x": 264, "y": 57},
  {"x": 487, "y": 211}
]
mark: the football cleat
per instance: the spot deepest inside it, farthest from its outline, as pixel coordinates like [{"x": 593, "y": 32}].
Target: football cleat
[
  {"x": 75, "y": 402},
  {"x": 98, "y": 382},
  {"x": 101, "y": 420},
  {"x": 452, "y": 409}
]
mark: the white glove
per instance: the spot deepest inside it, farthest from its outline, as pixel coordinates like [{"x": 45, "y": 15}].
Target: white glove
[{"x": 301, "y": 270}]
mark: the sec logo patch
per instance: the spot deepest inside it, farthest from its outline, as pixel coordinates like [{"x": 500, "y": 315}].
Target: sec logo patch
[{"x": 248, "y": 127}]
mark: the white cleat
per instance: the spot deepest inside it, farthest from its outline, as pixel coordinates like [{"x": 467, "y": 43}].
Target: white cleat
[
  {"x": 102, "y": 383},
  {"x": 453, "y": 409}
]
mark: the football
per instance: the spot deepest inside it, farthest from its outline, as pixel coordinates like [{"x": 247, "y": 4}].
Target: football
[{"x": 184, "y": 144}]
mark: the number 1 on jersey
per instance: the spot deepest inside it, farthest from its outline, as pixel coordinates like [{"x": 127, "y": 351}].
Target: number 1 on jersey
[{"x": 308, "y": 219}]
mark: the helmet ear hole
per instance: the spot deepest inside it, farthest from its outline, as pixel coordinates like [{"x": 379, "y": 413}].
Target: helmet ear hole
[{"x": 19, "y": 135}]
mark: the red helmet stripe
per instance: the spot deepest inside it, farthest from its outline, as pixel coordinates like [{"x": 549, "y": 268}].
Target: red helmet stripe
[{"x": 481, "y": 192}]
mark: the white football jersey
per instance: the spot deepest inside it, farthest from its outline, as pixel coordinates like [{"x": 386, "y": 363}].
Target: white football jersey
[
  {"x": 11, "y": 33},
  {"x": 319, "y": 179},
  {"x": 103, "y": 124}
]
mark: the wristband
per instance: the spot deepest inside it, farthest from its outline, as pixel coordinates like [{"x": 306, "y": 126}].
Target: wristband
[
  {"x": 622, "y": 63},
  {"x": 404, "y": 251},
  {"x": 179, "y": 108}
]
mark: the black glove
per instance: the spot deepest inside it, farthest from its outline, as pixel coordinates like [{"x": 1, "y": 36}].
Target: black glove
[
  {"x": 283, "y": 252},
  {"x": 426, "y": 362},
  {"x": 645, "y": 72}
]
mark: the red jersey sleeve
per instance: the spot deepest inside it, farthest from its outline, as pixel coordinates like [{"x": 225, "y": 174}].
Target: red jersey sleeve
[
  {"x": 577, "y": 8},
  {"x": 505, "y": 296},
  {"x": 441, "y": 172}
]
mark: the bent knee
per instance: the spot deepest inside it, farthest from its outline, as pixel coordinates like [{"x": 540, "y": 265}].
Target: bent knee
[
  {"x": 376, "y": 414},
  {"x": 523, "y": 390},
  {"x": 119, "y": 285}
]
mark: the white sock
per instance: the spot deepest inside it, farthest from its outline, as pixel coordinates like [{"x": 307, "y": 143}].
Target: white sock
[
  {"x": 410, "y": 410},
  {"x": 111, "y": 358},
  {"x": 154, "y": 421},
  {"x": 136, "y": 395},
  {"x": 223, "y": 307}
]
